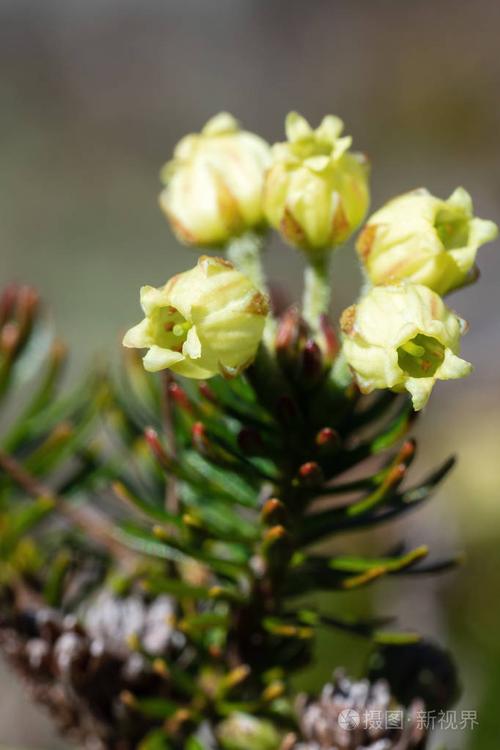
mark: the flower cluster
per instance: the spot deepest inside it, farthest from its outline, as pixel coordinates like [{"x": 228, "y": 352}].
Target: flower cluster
[
  {"x": 401, "y": 335},
  {"x": 178, "y": 620},
  {"x": 225, "y": 184}
]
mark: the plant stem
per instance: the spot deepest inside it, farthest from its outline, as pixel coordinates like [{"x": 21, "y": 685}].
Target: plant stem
[
  {"x": 317, "y": 291},
  {"x": 246, "y": 254},
  {"x": 171, "y": 498}
]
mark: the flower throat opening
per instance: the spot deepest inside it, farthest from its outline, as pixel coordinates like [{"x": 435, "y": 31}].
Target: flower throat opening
[
  {"x": 452, "y": 230},
  {"x": 172, "y": 328},
  {"x": 421, "y": 356}
]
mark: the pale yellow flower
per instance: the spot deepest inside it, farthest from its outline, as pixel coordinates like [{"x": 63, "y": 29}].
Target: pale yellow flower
[
  {"x": 317, "y": 191},
  {"x": 214, "y": 183},
  {"x": 403, "y": 337},
  {"x": 205, "y": 321},
  {"x": 420, "y": 238}
]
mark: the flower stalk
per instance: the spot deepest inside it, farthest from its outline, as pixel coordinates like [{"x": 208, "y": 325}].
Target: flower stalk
[
  {"x": 317, "y": 289},
  {"x": 245, "y": 253}
]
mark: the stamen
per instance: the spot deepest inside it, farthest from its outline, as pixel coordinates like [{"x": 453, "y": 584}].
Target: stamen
[
  {"x": 421, "y": 357},
  {"x": 180, "y": 329},
  {"x": 414, "y": 349}
]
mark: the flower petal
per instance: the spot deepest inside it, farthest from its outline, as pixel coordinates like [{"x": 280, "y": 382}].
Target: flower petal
[
  {"x": 317, "y": 163},
  {"x": 460, "y": 198},
  {"x": 329, "y": 129},
  {"x": 189, "y": 368},
  {"x": 160, "y": 359},
  {"x": 453, "y": 367},
  {"x": 153, "y": 297},
  {"x": 138, "y": 336},
  {"x": 483, "y": 230},
  {"x": 221, "y": 124},
  {"x": 419, "y": 390},
  {"x": 296, "y": 127},
  {"x": 192, "y": 345}
]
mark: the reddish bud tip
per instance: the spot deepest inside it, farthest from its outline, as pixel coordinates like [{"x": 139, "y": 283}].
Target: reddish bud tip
[
  {"x": 290, "y": 327},
  {"x": 128, "y": 699},
  {"x": 151, "y": 435},
  {"x": 155, "y": 445},
  {"x": 310, "y": 473},
  {"x": 309, "y": 468},
  {"x": 198, "y": 431},
  {"x": 7, "y": 302},
  {"x": 199, "y": 435},
  {"x": 407, "y": 450},
  {"x": 273, "y": 512},
  {"x": 327, "y": 437},
  {"x": 179, "y": 396},
  {"x": 207, "y": 392},
  {"x": 275, "y": 533},
  {"x": 9, "y": 337},
  {"x": 329, "y": 341}
]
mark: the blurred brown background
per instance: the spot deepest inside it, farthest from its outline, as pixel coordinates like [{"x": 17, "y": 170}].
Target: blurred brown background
[{"x": 93, "y": 97}]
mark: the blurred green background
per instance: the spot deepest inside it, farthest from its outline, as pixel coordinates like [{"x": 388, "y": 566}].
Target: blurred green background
[{"x": 93, "y": 97}]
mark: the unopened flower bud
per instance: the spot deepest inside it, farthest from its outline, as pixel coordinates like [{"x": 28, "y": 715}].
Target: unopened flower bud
[
  {"x": 403, "y": 337},
  {"x": 245, "y": 732},
  {"x": 205, "y": 321},
  {"x": 317, "y": 190},
  {"x": 423, "y": 239},
  {"x": 214, "y": 183}
]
